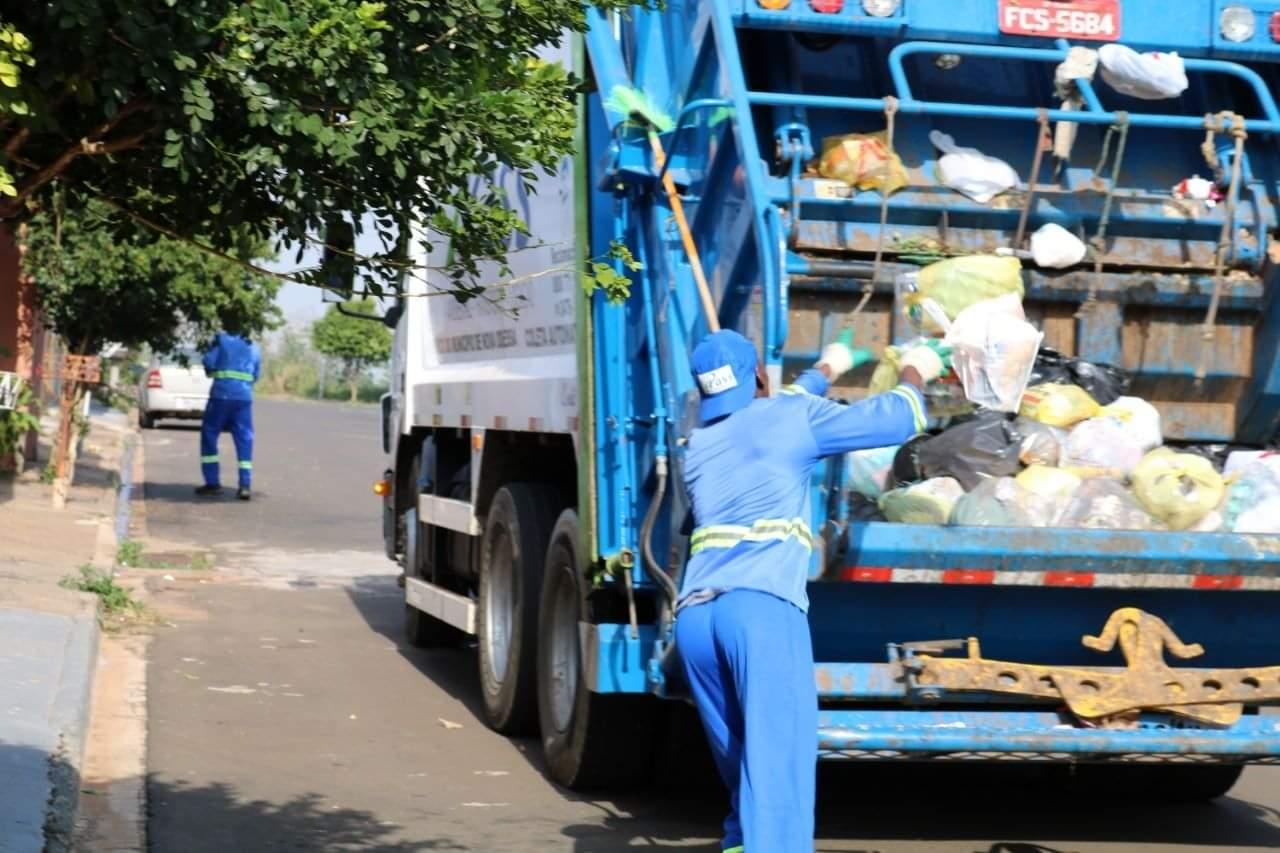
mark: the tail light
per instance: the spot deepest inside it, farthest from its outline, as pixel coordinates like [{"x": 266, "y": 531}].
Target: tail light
[
  {"x": 1275, "y": 26},
  {"x": 154, "y": 380},
  {"x": 774, "y": 4},
  {"x": 827, "y": 7}
]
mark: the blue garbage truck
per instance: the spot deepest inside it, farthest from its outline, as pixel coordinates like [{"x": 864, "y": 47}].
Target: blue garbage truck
[{"x": 535, "y": 438}]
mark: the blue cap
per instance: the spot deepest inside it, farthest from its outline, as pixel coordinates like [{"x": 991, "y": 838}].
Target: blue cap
[{"x": 724, "y": 367}]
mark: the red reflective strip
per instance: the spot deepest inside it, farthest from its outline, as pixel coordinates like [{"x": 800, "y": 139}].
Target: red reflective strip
[
  {"x": 1068, "y": 578},
  {"x": 973, "y": 576},
  {"x": 499, "y": 422},
  {"x": 867, "y": 573},
  {"x": 573, "y": 424},
  {"x": 466, "y": 420},
  {"x": 1217, "y": 582}
]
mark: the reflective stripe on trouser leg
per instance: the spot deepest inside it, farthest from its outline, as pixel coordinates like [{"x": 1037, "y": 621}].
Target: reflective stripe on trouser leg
[
  {"x": 749, "y": 661},
  {"x": 210, "y": 428},
  {"x": 242, "y": 434}
]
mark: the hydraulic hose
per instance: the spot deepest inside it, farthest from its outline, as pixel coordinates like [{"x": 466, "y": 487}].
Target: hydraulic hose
[{"x": 651, "y": 566}]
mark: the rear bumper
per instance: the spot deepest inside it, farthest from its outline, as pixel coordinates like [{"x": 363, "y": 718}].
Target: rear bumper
[{"x": 1031, "y": 735}]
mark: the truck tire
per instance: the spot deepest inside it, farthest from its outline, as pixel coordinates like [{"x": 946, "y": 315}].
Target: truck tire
[
  {"x": 146, "y": 420},
  {"x": 590, "y": 740},
  {"x": 421, "y": 630},
  {"x": 512, "y": 550}
]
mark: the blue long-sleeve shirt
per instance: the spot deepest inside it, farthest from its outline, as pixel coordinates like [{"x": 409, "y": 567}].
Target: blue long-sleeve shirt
[
  {"x": 234, "y": 365},
  {"x": 748, "y": 479}
]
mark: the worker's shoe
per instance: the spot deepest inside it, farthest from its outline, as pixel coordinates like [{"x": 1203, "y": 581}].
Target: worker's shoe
[
  {"x": 243, "y": 493},
  {"x": 208, "y": 491}
]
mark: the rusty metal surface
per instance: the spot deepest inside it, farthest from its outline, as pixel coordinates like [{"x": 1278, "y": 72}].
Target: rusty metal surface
[{"x": 1108, "y": 696}]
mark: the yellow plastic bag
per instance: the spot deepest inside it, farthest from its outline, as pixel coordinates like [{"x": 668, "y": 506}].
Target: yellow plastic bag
[
  {"x": 957, "y": 283},
  {"x": 1053, "y": 483},
  {"x": 1058, "y": 405},
  {"x": 863, "y": 160},
  {"x": 1180, "y": 489}
]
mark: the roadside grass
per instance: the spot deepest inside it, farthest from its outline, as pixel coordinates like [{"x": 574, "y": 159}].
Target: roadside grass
[
  {"x": 132, "y": 554},
  {"x": 119, "y": 608}
]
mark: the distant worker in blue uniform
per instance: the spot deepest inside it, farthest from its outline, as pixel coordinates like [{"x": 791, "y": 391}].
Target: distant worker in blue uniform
[
  {"x": 741, "y": 624},
  {"x": 234, "y": 363}
]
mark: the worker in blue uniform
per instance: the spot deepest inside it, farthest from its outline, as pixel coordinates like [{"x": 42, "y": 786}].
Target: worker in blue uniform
[
  {"x": 234, "y": 363},
  {"x": 741, "y": 623}
]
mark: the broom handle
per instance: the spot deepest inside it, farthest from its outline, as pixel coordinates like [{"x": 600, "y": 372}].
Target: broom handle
[{"x": 686, "y": 236}]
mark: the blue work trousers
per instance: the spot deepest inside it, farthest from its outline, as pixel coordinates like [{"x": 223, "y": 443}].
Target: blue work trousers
[
  {"x": 235, "y": 417},
  {"x": 749, "y": 660}
]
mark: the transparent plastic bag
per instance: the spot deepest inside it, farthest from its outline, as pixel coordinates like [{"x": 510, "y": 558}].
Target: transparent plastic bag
[
  {"x": 929, "y": 502},
  {"x": 1002, "y": 502},
  {"x": 863, "y": 160},
  {"x": 1177, "y": 488},
  {"x": 1104, "y": 504},
  {"x": 1253, "y": 501},
  {"x": 1057, "y": 405},
  {"x": 1054, "y": 247},
  {"x": 1041, "y": 443},
  {"x": 943, "y": 398},
  {"x": 1140, "y": 419},
  {"x": 867, "y": 471},
  {"x": 1101, "y": 447},
  {"x": 993, "y": 351}
]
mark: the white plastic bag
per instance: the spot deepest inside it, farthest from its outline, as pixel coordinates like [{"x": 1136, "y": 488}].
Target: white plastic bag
[
  {"x": 970, "y": 172},
  {"x": 1239, "y": 460},
  {"x": 1253, "y": 501},
  {"x": 1041, "y": 443},
  {"x": 1101, "y": 447},
  {"x": 1140, "y": 418},
  {"x": 1002, "y": 502},
  {"x": 994, "y": 350},
  {"x": 1149, "y": 76},
  {"x": 1054, "y": 247}
]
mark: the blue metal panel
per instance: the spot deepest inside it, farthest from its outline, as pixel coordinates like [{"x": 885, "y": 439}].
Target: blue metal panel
[
  {"x": 934, "y": 732},
  {"x": 620, "y": 659}
]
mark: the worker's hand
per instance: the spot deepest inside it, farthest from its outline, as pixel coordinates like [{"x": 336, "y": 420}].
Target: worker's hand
[
  {"x": 930, "y": 360},
  {"x": 841, "y": 356}
]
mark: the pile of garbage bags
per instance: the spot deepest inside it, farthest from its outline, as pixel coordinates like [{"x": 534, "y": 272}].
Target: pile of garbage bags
[{"x": 1034, "y": 438}]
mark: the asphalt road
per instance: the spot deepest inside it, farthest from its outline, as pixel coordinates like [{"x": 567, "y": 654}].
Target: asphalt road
[{"x": 285, "y": 713}]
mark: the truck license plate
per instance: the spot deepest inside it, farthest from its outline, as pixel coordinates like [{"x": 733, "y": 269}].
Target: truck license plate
[{"x": 1097, "y": 20}]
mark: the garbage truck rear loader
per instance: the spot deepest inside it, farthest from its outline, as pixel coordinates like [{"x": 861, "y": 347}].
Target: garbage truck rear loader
[{"x": 536, "y": 455}]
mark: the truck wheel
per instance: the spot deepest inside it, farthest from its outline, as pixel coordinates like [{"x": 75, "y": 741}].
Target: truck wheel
[
  {"x": 590, "y": 740},
  {"x": 420, "y": 629},
  {"x": 146, "y": 420},
  {"x": 511, "y": 556}
]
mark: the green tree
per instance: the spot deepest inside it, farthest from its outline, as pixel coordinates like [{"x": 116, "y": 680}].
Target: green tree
[
  {"x": 101, "y": 278},
  {"x": 357, "y": 343},
  {"x": 292, "y": 118}
]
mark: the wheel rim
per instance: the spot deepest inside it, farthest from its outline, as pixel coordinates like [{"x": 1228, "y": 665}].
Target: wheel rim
[
  {"x": 499, "y": 604},
  {"x": 562, "y": 680}
]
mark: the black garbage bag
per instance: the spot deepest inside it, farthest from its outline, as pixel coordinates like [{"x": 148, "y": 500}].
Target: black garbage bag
[
  {"x": 1105, "y": 383},
  {"x": 981, "y": 448}
]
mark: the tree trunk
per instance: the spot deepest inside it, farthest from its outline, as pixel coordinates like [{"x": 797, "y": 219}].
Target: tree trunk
[
  {"x": 354, "y": 385},
  {"x": 64, "y": 444}
]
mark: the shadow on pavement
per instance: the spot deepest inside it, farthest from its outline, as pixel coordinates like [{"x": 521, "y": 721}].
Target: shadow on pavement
[
  {"x": 305, "y": 822},
  {"x": 38, "y": 790},
  {"x": 185, "y": 492}
]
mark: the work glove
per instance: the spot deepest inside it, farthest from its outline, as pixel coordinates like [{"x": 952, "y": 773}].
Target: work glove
[
  {"x": 930, "y": 359},
  {"x": 841, "y": 356}
]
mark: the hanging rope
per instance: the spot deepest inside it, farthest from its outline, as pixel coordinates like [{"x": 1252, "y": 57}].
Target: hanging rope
[
  {"x": 890, "y": 110},
  {"x": 1120, "y": 130},
  {"x": 1209, "y": 329},
  {"x": 1042, "y": 140}
]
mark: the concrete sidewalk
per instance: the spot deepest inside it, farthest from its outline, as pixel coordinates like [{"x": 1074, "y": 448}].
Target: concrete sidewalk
[{"x": 49, "y": 635}]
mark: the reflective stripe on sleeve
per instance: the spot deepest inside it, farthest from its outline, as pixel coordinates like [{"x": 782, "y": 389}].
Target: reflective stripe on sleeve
[
  {"x": 917, "y": 411},
  {"x": 233, "y": 374},
  {"x": 764, "y": 530},
  {"x": 208, "y": 459},
  {"x": 792, "y": 389},
  {"x": 246, "y": 466}
]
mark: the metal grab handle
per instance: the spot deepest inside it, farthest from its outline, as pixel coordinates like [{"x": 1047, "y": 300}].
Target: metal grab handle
[{"x": 1034, "y": 54}]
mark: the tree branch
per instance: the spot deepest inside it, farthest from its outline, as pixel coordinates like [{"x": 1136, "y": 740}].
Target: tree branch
[{"x": 15, "y": 143}]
